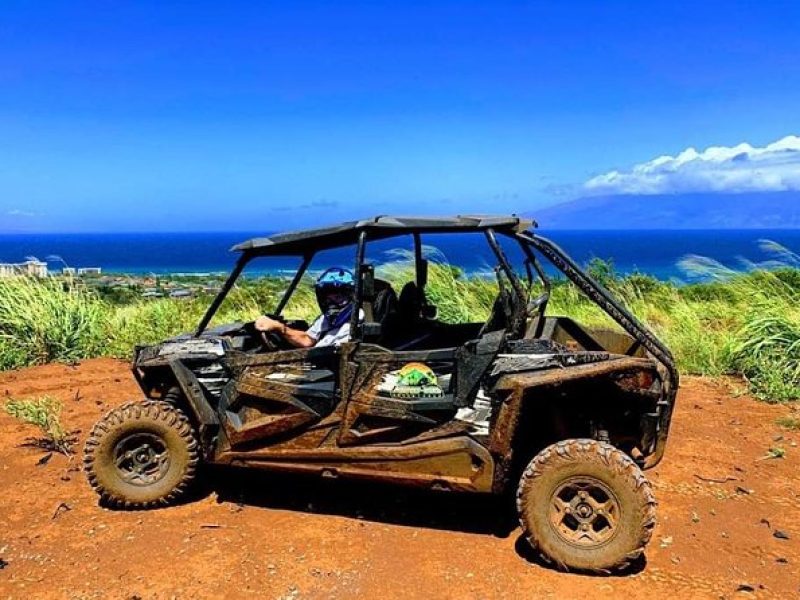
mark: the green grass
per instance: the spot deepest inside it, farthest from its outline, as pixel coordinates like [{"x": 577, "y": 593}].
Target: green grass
[
  {"x": 744, "y": 324},
  {"x": 457, "y": 298},
  {"x": 44, "y": 413},
  {"x": 767, "y": 352},
  {"x": 43, "y": 321}
]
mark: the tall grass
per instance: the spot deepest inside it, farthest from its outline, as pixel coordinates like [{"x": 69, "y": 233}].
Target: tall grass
[
  {"x": 731, "y": 323},
  {"x": 457, "y": 298},
  {"x": 767, "y": 352},
  {"x": 43, "y": 321},
  {"x": 149, "y": 322}
]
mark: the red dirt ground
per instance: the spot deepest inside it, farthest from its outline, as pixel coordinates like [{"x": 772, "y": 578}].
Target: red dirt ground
[{"x": 252, "y": 535}]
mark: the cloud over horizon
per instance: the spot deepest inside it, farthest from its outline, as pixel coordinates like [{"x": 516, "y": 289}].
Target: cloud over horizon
[
  {"x": 18, "y": 212},
  {"x": 742, "y": 168}
]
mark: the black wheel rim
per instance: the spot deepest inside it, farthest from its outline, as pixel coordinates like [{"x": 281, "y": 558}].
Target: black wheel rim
[
  {"x": 141, "y": 458},
  {"x": 584, "y": 512}
]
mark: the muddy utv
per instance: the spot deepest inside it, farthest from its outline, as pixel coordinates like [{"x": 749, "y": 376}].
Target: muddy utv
[{"x": 525, "y": 402}]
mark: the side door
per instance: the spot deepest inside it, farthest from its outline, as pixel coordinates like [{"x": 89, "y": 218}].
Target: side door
[
  {"x": 279, "y": 394},
  {"x": 395, "y": 396},
  {"x": 400, "y": 396}
]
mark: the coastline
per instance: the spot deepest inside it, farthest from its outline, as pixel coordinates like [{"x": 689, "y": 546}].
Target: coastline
[{"x": 652, "y": 252}]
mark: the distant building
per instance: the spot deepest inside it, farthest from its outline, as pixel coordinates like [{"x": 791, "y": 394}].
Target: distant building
[
  {"x": 181, "y": 293},
  {"x": 89, "y": 271},
  {"x": 30, "y": 268},
  {"x": 68, "y": 271}
]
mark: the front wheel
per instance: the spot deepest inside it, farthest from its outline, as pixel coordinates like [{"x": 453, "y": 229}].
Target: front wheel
[
  {"x": 141, "y": 455},
  {"x": 586, "y": 506}
]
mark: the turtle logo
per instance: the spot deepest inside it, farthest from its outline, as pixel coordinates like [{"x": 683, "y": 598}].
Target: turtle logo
[{"x": 416, "y": 380}]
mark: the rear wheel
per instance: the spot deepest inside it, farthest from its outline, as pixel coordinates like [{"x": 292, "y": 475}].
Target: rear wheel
[
  {"x": 586, "y": 506},
  {"x": 141, "y": 455}
]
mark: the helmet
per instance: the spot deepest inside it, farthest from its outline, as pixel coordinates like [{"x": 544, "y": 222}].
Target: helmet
[{"x": 334, "y": 289}]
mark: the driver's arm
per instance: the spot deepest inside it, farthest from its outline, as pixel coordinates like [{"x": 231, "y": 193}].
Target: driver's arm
[{"x": 296, "y": 337}]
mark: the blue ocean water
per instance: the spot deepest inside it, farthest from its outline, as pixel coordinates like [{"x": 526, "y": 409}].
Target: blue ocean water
[{"x": 653, "y": 252}]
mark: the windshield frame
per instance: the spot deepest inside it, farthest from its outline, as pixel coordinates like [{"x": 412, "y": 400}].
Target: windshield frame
[{"x": 234, "y": 276}]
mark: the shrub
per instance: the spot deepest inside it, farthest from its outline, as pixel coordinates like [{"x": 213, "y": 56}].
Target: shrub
[{"x": 602, "y": 271}]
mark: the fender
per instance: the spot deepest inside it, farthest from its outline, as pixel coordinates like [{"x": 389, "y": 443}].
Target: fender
[{"x": 203, "y": 412}]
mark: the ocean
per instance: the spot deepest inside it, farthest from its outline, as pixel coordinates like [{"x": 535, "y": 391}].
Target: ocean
[{"x": 653, "y": 252}]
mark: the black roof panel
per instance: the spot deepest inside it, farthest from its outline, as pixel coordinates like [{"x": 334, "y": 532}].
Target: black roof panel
[{"x": 313, "y": 240}]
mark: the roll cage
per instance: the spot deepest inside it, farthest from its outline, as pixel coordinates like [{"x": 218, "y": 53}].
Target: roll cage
[
  {"x": 308, "y": 242},
  {"x": 361, "y": 268}
]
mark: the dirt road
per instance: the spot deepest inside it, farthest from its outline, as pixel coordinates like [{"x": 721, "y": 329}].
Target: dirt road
[{"x": 260, "y": 536}]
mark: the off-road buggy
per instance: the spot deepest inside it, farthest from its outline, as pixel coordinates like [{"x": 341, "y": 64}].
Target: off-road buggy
[{"x": 564, "y": 416}]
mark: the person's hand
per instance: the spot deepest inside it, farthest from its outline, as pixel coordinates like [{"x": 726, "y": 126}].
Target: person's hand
[{"x": 266, "y": 324}]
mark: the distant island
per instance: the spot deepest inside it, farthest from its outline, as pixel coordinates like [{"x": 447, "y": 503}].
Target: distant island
[{"x": 751, "y": 210}]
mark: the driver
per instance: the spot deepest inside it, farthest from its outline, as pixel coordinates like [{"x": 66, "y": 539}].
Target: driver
[{"x": 335, "y": 296}]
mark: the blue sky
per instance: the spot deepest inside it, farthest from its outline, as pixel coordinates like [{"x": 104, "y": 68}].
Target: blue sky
[{"x": 238, "y": 116}]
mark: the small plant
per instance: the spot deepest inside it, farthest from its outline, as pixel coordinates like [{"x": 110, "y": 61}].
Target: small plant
[
  {"x": 792, "y": 423},
  {"x": 774, "y": 452},
  {"x": 45, "y": 413}
]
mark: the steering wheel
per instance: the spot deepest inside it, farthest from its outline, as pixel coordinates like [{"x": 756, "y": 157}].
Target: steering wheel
[{"x": 271, "y": 340}]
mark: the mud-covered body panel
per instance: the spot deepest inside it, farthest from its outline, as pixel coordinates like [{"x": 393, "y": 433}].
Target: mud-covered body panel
[
  {"x": 614, "y": 396},
  {"x": 363, "y": 410}
]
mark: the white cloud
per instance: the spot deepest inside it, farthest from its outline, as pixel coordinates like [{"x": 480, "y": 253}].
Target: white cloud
[
  {"x": 16, "y": 212},
  {"x": 742, "y": 168}
]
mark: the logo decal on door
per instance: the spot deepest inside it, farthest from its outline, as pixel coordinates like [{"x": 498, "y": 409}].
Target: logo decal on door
[{"x": 413, "y": 380}]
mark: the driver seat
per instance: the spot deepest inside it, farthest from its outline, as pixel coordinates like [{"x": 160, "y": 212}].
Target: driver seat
[{"x": 383, "y": 310}]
